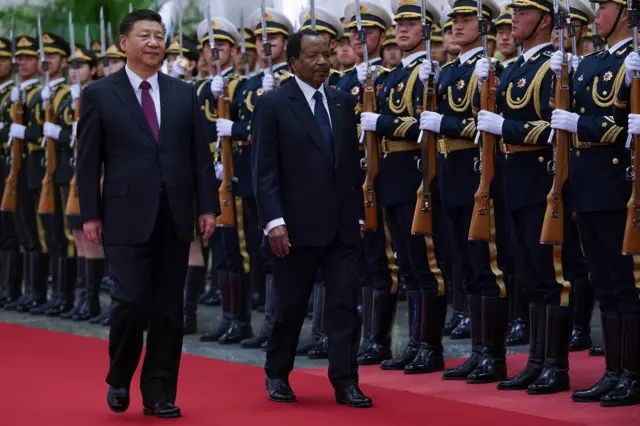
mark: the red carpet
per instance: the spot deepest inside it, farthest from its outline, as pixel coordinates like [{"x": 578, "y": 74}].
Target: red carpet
[{"x": 58, "y": 379}]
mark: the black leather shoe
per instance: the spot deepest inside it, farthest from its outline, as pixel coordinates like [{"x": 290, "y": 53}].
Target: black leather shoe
[
  {"x": 596, "y": 351},
  {"x": 279, "y": 390},
  {"x": 352, "y": 396},
  {"x": 163, "y": 410},
  {"x": 117, "y": 399}
]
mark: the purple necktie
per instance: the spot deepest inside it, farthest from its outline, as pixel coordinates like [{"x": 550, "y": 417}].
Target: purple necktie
[{"x": 149, "y": 109}]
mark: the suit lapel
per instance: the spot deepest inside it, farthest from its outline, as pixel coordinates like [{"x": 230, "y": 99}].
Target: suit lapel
[
  {"x": 336, "y": 122},
  {"x": 301, "y": 109},
  {"x": 124, "y": 91}
]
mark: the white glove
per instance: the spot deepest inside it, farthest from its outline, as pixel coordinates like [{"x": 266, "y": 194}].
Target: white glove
[
  {"x": 217, "y": 86},
  {"x": 430, "y": 120},
  {"x": 51, "y": 130},
  {"x": 482, "y": 68},
  {"x": 369, "y": 120},
  {"x": 219, "y": 171},
  {"x": 490, "y": 122},
  {"x": 1, "y": 125},
  {"x": 16, "y": 131},
  {"x": 75, "y": 95},
  {"x": 426, "y": 69},
  {"x": 362, "y": 73},
  {"x": 74, "y": 130},
  {"x": 267, "y": 82},
  {"x": 223, "y": 127},
  {"x": 564, "y": 120},
  {"x": 177, "y": 70},
  {"x": 557, "y": 59},
  {"x": 632, "y": 67},
  {"x": 46, "y": 94},
  {"x": 634, "y": 124},
  {"x": 15, "y": 95},
  {"x": 575, "y": 60}
]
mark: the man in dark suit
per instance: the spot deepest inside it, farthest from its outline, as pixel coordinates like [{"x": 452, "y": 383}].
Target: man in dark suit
[
  {"x": 307, "y": 187},
  {"x": 146, "y": 130}
]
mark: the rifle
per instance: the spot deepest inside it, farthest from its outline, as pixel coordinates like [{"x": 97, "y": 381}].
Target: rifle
[
  {"x": 243, "y": 49},
  {"x": 480, "y": 228},
  {"x": 265, "y": 41},
  {"x": 553, "y": 225},
  {"x": 423, "y": 214},
  {"x": 10, "y": 195},
  {"x": 631, "y": 242},
  {"x": 371, "y": 162},
  {"x": 225, "y": 192},
  {"x": 47, "y": 203},
  {"x": 103, "y": 49},
  {"x": 73, "y": 202}
]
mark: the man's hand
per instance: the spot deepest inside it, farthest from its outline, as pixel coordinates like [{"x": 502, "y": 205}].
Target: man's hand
[
  {"x": 93, "y": 231},
  {"x": 279, "y": 241},
  {"x": 207, "y": 226}
]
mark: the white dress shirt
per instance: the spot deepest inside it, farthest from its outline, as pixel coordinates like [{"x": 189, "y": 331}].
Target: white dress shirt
[{"x": 154, "y": 91}]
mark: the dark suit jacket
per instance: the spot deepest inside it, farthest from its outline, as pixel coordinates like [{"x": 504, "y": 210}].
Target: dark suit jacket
[
  {"x": 114, "y": 131},
  {"x": 319, "y": 195}
]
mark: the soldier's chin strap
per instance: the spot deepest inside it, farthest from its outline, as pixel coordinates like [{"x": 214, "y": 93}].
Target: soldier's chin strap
[
  {"x": 615, "y": 25},
  {"x": 535, "y": 29}
]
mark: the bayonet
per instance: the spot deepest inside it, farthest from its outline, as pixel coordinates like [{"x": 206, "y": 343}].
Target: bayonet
[
  {"x": 45, "y": 64},
  {"x": 215, "y": 53},
  {"x": 103, "y": 51},
  {"x": 265, "y": 38},
  {"x": 571, "y": 32},
  {"x": 109, "y": 33},
  {"x": 87, "y": 37},
  {"x": 130, "y": 8},
  {"x": 243, "y": 47},
  {"x": 312, "y": 11},
  {"x": 180, "y": 30},
  {"x": 14, "y": 66},
  {"x": 72, "y": 43}
]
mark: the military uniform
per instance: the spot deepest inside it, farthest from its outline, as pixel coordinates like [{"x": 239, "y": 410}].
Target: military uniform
[
  {"x": 600, "y": 190},
  {"x": 10, "y": 283},
  {"x": 375, "y": 268},
  {"x": 399, "y": 97},
  {"x": 58, "y": 237},
  {"x": 190, "y": 51},
  {"x": 28, "y": 228}
]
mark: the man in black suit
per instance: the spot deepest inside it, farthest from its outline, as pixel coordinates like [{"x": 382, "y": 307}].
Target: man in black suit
[
  {"x": 146, "y": 130},
  {"x": 307, "y": 187}
]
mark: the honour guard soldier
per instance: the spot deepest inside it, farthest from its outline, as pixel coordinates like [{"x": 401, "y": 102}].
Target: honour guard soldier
[
  {"x": 278, "y": 29},
  {"x": 117, "y": 58},
  {"x": 10, "y": 281},
  {"x": 183, "y": 68},
  {"x": 228, "y": 246},
  {"x": 600, "y": 191},
  {"x": 522, "y": 121},
  {"x": 251, "y": 52},
  {"x": 452, "y": 50},
  {"x": 398, "y": 99},
  {"x": 29, "y": 177},
  {"x": 391, "y": 53},
  {"x": 57, "y": 131},
  {"x": 329, "y": 27},
  {"x": 375, "y": 258},
  {"x": 438, "y": 52},
  {"x": 506, "y": 44},
  {"x": 589, "y": 45},
  {"x": 96, "y": 47},
  {"x": 477, "y": 271}
]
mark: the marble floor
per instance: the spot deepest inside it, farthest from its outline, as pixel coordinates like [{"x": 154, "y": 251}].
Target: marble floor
[{"x": 208, "y": 317}]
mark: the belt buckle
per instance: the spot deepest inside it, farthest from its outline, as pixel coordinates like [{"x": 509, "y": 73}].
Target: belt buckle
[
  {"x": 384, "y": 146},
  {"x": 444, "y": 147}
]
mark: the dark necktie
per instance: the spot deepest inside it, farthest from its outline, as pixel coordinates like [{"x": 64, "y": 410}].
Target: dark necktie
[
  {"x": 323, "y": 120},
  {"x": 519, "y": 61},
  {"x": 149, "y": 109}
]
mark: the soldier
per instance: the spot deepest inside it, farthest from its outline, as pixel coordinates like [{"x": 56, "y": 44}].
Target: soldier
[
  {"x": 30, "y": 176},
  {"x": 329, "y": 27},
  {"x": 278, "y": 28},
  {"x": 375, "y": 257},
  {"x": 600, "y": 192},
  {"x": 203, "y": 66},
  {"x": 57, "y": 95},
  {"x": 391, "y": 53},
  {"x": 506, "y": 44},
  {"x": 476, "y": 271},
  {"x": 229, "y": 243},
  {"x": 96, "y": 47},
  {"x": 452, "y": 50},
  {"x": 589, "y": 45},
  {"x": 183, "y": 68},
  {"x": 10, "y": 283},
  {"x": 438, "y": 52},
  {"x": 345, "y": 57},
  {"x": 399, "y": 97},
  {"x": 522, "y": 121},
  {"x": 252, "y": 54}
]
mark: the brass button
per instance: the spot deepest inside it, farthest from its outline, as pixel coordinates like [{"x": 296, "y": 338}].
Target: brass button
[
  {"x": 615, "y": 161},
  {"x": 588, "y": 88},
  {"x": 444, "y": 96},
  {"x": 540, "y": 159},
  {"x": 577, "y": 153},
  {"x": 582, "y": 110},
  {"x": 504, "y": 93},
  {"x": 476, "y": 158}
]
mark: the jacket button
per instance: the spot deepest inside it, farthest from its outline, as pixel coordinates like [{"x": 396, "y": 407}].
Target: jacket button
[
  {"x": 540, "y": 159},
  {"x": 582, "y": 110},
  {"x": 577, "y": 153},
  {"x": 615, "y": 161}
]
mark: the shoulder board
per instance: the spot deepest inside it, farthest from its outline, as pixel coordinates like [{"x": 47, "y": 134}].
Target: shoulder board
[
  {"x": 284, "y": 74},
  {"x": 335, "y": 72},
  {"x": 415, "y": 62},
  {"x": 447, "y": 64},
  {"x": 592, "y": 53},
  {"x": 548, "y": 53},
  {"x": 623, "y": 51},
  {"x": 382, "y": 69},
  {"x": 349, "y": 70},
  {"x": 59, "y": 96}
]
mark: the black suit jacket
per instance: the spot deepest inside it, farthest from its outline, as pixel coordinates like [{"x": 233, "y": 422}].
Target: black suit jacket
[
  {"x": 295, "y": 177},
  {"x": 114, "y": 131}
]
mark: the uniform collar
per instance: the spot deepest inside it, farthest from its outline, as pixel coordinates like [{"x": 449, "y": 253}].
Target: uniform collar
[
  {"x": 31, "y": 82},
  {"x": 136, "y": 80},
  {"x": 531, "y": 52},
  {"x": 409, "y": 59},
  {"x": 278, "y": 66},
  {"x": 468, "y": 55},
  {"x": 618, "y": 45},
  {"x": 57, "y": 81},
  {"x": 509, "y": 61},
  {"x": 227, "y": 71}
]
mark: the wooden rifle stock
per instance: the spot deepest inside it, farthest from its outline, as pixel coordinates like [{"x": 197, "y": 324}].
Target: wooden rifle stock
[
  {"x": 225, "y": 193},
  {"x": 423, "y": 213},
  {"x": 372, "y": 162},
  {"x": 480, "y": 228},
  {"x": 631, "y": 242},
  {"x": 553, "y": 225},
  {"x": 10, "y": 195},
  {"x": 47, "y": 204},
  {"x": 73, "y": 203}
]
